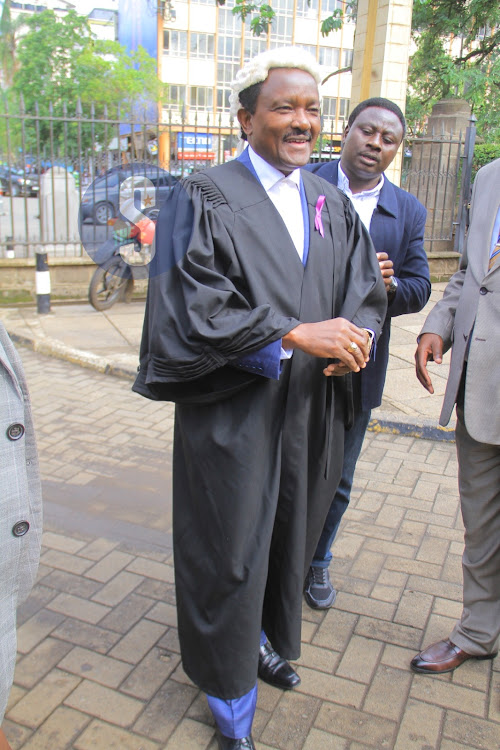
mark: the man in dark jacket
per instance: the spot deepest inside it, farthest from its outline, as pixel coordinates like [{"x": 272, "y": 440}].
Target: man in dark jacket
[{"x": 396, "y": 222}]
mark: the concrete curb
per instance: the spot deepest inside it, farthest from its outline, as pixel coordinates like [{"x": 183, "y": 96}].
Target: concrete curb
[{"x": 383, "y": 422}]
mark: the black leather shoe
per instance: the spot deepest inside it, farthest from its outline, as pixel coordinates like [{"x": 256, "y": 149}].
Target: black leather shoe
[
  {"x": 275, "y": 670},
  {"x": 228, "y": 743}
]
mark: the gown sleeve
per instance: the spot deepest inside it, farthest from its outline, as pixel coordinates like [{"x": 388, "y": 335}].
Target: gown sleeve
[{"x": 199, "y": 321}]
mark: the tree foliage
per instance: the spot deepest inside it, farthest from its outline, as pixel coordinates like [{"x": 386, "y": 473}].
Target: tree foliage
[{"x": 457, "y": 55}]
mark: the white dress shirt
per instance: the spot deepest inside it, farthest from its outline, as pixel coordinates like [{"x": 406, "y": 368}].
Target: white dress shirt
[
  {"x": 285, "y": 194},
  {"x": 365, "y": 202}
]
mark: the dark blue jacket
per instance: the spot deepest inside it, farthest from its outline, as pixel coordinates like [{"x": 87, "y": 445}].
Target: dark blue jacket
[{"x": 397, "y": 228}]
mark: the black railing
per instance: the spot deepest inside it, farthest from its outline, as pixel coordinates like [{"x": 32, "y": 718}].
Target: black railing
[{"x": 57, "y": 165}]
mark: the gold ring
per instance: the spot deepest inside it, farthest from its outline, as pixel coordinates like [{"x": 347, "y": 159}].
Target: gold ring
[{"x": 353, "y": 346}]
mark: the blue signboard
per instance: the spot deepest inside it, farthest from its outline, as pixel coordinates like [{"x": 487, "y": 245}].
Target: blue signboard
[{"x": 194, "y": 141}]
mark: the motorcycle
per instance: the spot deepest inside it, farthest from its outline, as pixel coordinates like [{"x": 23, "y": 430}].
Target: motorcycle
[{"x": 121, "y": 260}]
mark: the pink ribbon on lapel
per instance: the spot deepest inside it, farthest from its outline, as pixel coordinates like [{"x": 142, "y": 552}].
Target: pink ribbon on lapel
[{"x": 318, "y": 222}]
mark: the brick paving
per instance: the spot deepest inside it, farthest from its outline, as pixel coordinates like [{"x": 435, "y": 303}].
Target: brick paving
[{"x": 99, "y": 665}]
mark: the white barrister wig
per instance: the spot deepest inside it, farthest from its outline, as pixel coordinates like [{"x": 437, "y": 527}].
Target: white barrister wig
[{"x": 257, "y": 69}]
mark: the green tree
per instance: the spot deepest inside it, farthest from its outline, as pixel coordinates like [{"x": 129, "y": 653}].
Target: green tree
[
  {"x": 472, "y": 72},
  {"x": 60, "y": 65}
]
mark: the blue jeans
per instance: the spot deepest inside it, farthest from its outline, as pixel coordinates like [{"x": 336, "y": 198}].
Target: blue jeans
[{"x": 353, "y": 442}]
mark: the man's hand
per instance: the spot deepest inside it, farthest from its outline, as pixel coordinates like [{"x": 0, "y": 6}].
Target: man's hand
[
  {"x": 430, "y": 347},
  {"x": 386, "y": 269},
  {"x": 332, "y": 339}
]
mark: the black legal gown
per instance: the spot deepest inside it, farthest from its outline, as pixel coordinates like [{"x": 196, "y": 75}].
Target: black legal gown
[{"x": 256, "y": 460}]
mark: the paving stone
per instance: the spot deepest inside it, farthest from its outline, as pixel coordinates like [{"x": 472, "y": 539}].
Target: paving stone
[
  {"x": 190, "y": 734},
  {"x": 101, "y": 736},
  {"x": 387, "y": 632},
  {"x": 356, "y": 725},
  {"x": 108, "y": 566},
  {"x": 321, "y": 659},
  {"x": 126, "y": 614},
  {"x": 40, "y": 661},
  {"x": 363, "y": 606},
  {"x": 335, "y": 630},
  {"x": 443, "y": 589},
  {"x": 442, "y": 693},
  {"x": 473, "y": 732},
  {"x": 88, "y": 636},
  {"x": 96, "y": 667},
  {"x": 331, "y": 688},
  {"x": 138, "y": 641},
  {"x": 397, "y": 657},
  {"x": 319, "y": 740},
  {"x": 39, "y": 597},
  {"x": 388, "y": 692},
  {"x": 117, "y": 589},
  {"x": 81, "y": 609},
  {"x": 16, "y": 734},
  {"x": 64, "y": 561},
  {"x": 144, "y": 567},
  {"x": 494, "y": 704},
  {"x": 154, "y": 669},
  {"x": 360, "y": 659},
  {"x": 34, "y": 630},
  {"x": 164, "y": 712},
  {"x": 420, "y": 727},
  {"x": 103, "y": 703},
  {"x": 61, "y": 580},
  {"x": 367, "y": 565},
  {"x": 414, "y": 609},
  {"x": 170, "y": 641},
  {"x": 97, "y": 549},
  {"x": 59, "y": 731},
  {"x": 291, "y": 721},
  {"x": 163, "y": 613},
  {"x": 43, "y": 699}
]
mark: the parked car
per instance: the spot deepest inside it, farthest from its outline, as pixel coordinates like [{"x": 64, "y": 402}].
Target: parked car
[
  {"x": 101, "y": 201},
  {"x": 19, "y": 183}
]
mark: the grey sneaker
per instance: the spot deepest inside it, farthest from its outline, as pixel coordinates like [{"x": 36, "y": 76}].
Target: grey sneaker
[{"x": 319, "y": 592}]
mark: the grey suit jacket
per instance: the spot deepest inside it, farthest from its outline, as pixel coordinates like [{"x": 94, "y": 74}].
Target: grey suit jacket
[
  {"x": 20, "y": 505},
  {"x": 471, "y": 308}
]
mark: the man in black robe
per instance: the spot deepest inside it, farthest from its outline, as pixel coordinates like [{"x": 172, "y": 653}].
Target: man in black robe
[{"x": 262, "y": 276}]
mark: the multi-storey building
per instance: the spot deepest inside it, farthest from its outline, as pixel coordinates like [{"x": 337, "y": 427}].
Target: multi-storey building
[{"x": 203, "y": 45}]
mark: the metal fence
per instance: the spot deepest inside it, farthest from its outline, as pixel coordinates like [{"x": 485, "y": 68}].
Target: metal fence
[{"x": 61, "y": 173}]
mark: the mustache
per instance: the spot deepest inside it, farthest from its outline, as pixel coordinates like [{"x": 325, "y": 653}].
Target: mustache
[{"x": 301, "y": 134}]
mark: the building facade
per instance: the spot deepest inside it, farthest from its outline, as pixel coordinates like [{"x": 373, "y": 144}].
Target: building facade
[{"x": 202, "y": 45}]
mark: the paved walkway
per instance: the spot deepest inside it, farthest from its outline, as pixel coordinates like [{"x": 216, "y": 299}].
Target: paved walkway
[
  {"x": 109, "y": 342},
  {"x": 99, "y": 664}
]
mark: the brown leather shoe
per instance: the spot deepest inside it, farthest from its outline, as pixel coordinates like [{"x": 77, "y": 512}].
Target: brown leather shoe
[{"x": 441, "y": 657}]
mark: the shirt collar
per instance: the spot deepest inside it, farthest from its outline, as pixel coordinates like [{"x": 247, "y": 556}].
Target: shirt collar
[
  {"x": 269, "y": 175},
  {"x": 343, "y": 184}
]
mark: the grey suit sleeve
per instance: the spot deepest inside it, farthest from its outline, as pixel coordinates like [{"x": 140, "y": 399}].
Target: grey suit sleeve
[{"x": 441, "y": 319}]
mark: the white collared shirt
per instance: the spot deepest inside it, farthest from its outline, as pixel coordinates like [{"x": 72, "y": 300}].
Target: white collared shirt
[
  {"x": 285, "y": 194},
  {"x": 365, "y": 202}
]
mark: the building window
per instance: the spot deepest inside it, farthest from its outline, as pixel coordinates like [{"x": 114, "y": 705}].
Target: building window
[
  {"x": 201, "y": 98},
  {"x": 329, "y": 108},
  {"x": 329, "y": 57},
  {"x": 329, "y": 6},
  {"x": 253, "y": 46},
  {"x": 344, "y": 109},
  {"x": 307, "y": 8},
  {"x": 175, "y": 42},
  {"x": 226, "y": 72},
  {"x": 201, "y": 45},
  {"x": 346, "y": 58},
  {"x": 176, "y": 94}
]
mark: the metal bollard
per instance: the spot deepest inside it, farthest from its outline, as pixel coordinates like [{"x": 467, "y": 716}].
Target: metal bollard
[{"x": 42, "y": 284}]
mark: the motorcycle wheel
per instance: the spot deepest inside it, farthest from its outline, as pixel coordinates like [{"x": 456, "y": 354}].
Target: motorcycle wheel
[{"x": 109, "y": 284}]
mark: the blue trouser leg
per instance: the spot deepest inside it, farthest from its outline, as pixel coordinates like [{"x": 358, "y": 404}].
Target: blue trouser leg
[
  {"x": 234, "y": 717},
  {"x": 353, "y": 443}
]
